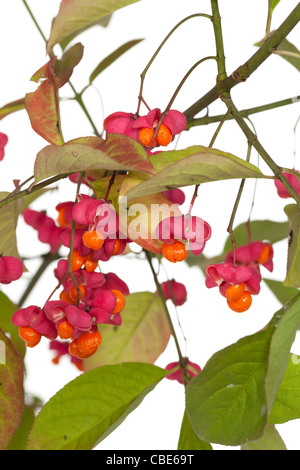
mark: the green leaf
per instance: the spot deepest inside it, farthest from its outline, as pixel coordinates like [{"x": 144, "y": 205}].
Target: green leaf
[
  {"x": 75, "y": 15},
  {"x": 90, "y": 407},
  {"x": 270, "y": 440},
  {"x": 293, "y": 273},
  {"x": 273, "y": 4},
  {"x": 64, "y": 67},
  {"x": 88, "y": 154},
  {"x": 104, "y": 22},
  {"x": 8, "y": 223},
  {"x": 11, "y": 390},
  {"x": 264, "y": 230},
  {"x": 290, "y": 53},
  {"x": 194, "y": 165},
  {"x": 225, "y": 401},
  {"x": 188, "y": 440},
  {"x": 230, "y": 400},
  {"x": 282, "y": 293},
  {"x": 202, "y": 262},
  {"x": 286, "y": 323},
  {"x": 7, "y": 309},
  {"x": 100, "y": 188},
  {"x": 142, "y": 337},
  {"x": 19, "y": 440},
  {"x": 287, "y": 403},
  {"x": 287, "y": 51},
  {"x": 11, "y": 107},
  {"x": 111, "y": 58}
]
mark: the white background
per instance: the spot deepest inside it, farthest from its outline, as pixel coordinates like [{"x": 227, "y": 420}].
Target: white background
[{"x": 207, "y": 323}]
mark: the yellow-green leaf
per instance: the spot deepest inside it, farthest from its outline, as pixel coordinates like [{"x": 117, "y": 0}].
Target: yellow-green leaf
[{"x": 142, "y": 337}]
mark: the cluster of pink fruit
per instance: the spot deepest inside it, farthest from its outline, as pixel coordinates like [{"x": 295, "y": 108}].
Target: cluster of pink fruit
[
  {"x": 88, "y": 298},
  {"x": 90, "y": 229}
]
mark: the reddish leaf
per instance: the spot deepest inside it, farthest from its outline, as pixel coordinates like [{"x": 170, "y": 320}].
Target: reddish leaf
[
  {"x": 127, "y": 152},
  {"x": 42, "y": 105},
  {"x": 11, "y": 390},
  {"x": 64, "y": 67}
]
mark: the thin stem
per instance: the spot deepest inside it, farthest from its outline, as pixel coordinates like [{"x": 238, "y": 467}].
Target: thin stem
[
  {"x": 79, "y": 293},
  {"x": 218, "y": 129},
  {"x": 111, "y": 182},
  {"x": 269, "y": 20},
  {"x": 195, "y": 195},
  {"x": 295, "y": 146},
  {"x": 244, "y": 113},
  {"x": 163, "y": 115},
  {"x": 289, "y": 53},
  {"x": 234, "y": 210},
  {"x": 248, "y": 225},
  {"x": 69, "y": 269},
  {"x": 174, "y": 302},
  {"x": 47, "y": 260},
  {"x": 185, "y": 78},
  {"x": 34, "y": 20},
  {"x": 14, "y": 196},
  {"x": 144, "y": 72},
  {"x": 17, "y": 189},
  {"x": 77, "y": 96},
  {"x": 244, "y": 71},
  {"x": 216, "y": 19},
  {"x": 161, "y": 294},
  {"x": 252, "y": 138}
]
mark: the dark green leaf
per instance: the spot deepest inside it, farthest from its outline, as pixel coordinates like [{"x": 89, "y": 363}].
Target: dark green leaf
[
  {"x": 293, "y": 272},
  {"x": 282, "y": 293},
  {"x": 287, "y": 403},
  {"x": 90, "y": 407},
  {"x": 290, "y": 53},
  {"x": 188, "y": 440},
  {"x": 11, "y": 390},
  {"x": 264, "y": 230},
  {"x": 111, "y": 58},
  {"x": 226, "y": 402},
  {"x": 229, "y": 401},
  {"x": 287, "y": 51},
  {"x": 270, "y": 440}
]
